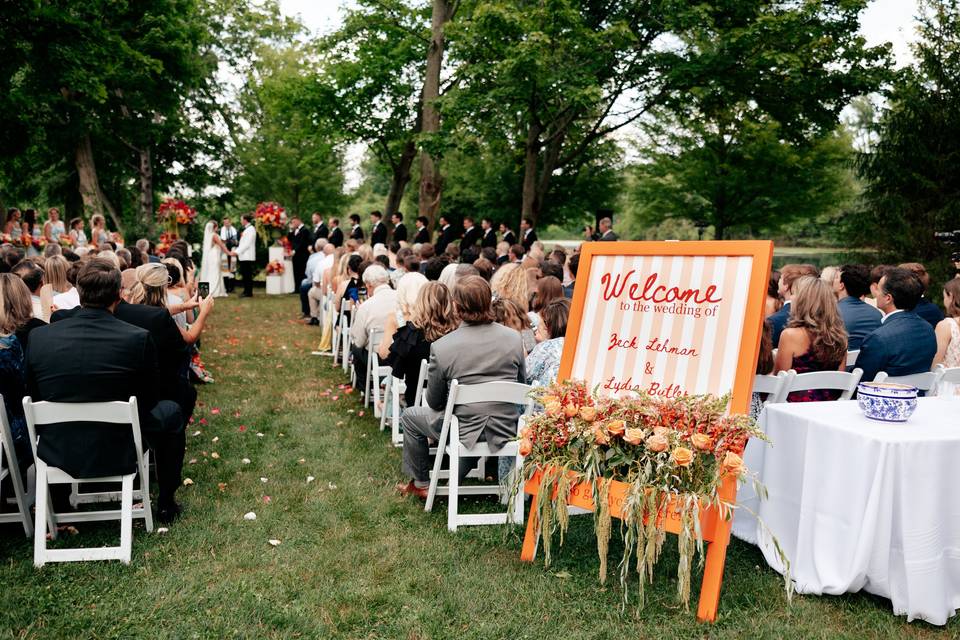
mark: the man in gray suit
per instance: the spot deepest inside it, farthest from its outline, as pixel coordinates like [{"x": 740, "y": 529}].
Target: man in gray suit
[{"x": 477, "y": 352}]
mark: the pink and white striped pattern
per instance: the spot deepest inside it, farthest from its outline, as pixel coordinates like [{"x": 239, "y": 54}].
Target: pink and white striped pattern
[{"x": 716, "y": 339}]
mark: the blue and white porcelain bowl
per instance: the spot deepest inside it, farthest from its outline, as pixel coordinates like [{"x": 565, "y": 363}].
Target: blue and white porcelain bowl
[{"x": 887, "y": 401}]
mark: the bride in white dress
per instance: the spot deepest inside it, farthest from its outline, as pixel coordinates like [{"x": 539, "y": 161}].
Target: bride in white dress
[{"x": 213, "y": 251}]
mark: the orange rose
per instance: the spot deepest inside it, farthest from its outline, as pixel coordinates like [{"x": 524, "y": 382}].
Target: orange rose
[
  {"x": 589, "y": 414},
  {"x": 553, "y": 409},
  {"x": 549, "y": 399},
  {"x": 600, "y": 436},
  {"x": 525, "y": 433},
  {"x": 657, "y": 443},
  {"x": 570, "y": 410},
  {"x": 682, "y": 456},
  {"x": 525, "y": 447},
  {"x": 633, "y": 436},
  {"x": 732, "y": 463},
  {"x": 702, "y": 441},
  {"x": 616, "y": 427},
  {"x": 661, "y": 431}
]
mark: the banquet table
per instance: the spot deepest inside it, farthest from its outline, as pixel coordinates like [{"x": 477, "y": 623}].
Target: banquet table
[{"x": 860, "y": 504}]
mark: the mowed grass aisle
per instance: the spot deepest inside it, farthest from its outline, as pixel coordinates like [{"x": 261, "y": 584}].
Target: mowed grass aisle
[{"x": 354, "y": 559}]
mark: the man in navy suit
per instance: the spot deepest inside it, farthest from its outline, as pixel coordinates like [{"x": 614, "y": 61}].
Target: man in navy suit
[
  {"x": 904, "y": 343},
  {"x": 851, "y": 285},
  {"x": 925, "y": 309},
  {"x": 789, "y": 274}
]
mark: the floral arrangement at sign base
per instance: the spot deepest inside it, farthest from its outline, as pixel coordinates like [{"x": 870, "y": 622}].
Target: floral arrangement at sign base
[
  {"x": 275, "y": 268},
  {"x": 270, "y": 219},
  {"x": 658, "y": 464},
  {"x": 176, "y": 216}
]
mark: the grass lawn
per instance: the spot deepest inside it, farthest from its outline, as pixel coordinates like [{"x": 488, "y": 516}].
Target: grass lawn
[{"x": 355, "y": 560}]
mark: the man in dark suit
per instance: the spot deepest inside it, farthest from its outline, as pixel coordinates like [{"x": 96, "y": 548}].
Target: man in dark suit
[
  {"x": 527, "y": 234},
  {"x": 789, "y": 274},
  {"x": 471, "y": 235},
  {"x": 489, "y": 238},
  {"x": 447, "y": 235},
  {"x": 399, "y": 229},
  {"x": 507, "y": 235},
  {"x": 423, "y": 232},
  {"x": 904, "y": 343},
  {"x": 319, "y": 229},
  {"x": 336, "y": 235},
  {"x": 378, "y": 230},
  {"x": 496, "y": 354},
  {"x": 925, "y": 309},
  {"x": 95, "y": 357},
  {"x": 851, "y": 285},
  {"x": 301, "y": 242},
  {"x": 356, "y": 232}
]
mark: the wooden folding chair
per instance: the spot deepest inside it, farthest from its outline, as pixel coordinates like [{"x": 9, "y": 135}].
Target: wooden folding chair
[
  {"x": 10, "y": 468},
  {"x": 449, "y": 443},
  {"x": 122, "y": 414}
]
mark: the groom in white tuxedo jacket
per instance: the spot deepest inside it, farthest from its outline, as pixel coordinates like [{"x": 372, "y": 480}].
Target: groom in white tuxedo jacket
[{"x": 246, "y": 254}]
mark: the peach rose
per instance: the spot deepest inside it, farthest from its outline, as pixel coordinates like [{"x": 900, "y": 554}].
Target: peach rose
[
  {"x": 525, "y": 433},
  {"x": 661, "y": 431},
  {"x": 702, "y": 441},
  {"x": 633, "y": 436},
  {"x": 657, "y": 443},
  {"x": 553, "y": 409},
  {"x": 732, "y": 463},
  {"x": 589, "y": 414},
  {"x": 549, "y": 399},
  {"x": 616, "y": 427},
  {"x": 570, "y": 410},
  {"x": 682, "y": 456},
  {"x": 525, "y": 447},
  {"x": 600, "y": 436}
]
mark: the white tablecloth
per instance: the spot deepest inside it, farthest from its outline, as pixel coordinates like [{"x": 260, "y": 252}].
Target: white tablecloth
[{"x": 858, "y": 504}]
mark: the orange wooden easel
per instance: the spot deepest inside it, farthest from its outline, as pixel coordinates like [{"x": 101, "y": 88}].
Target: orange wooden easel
[{"x": 715, "y": 525}]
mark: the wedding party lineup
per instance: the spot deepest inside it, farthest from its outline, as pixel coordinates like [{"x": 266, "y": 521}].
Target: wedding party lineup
[{"x": 427, "y": 319}]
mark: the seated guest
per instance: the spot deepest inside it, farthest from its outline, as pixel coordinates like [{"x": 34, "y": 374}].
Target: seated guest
[
  {"x": 851, "y": 284},
  {"x": 310, "y": 275},
  {"x": 371, "y": 314},
  {"x": 503, "y": 252},
  {"x": 544, "y": 361},
  {"x": 407, "y": 291},
  {"x": 773, "y": 302},
  {"x": 948, "y": 331},
  {"x": 875, "y": 274},
  {"x": 317, "y": 272},
  {"x": 509, "y": 314},
  {"x": 348, "y": 284},
  {"x": 431, "y": 317},
  {"x": 110, "y": 360},
  {"x": 572, "y": 265},
  {"x": 546, "y": 290},
  {"x": 925, "y": 309},
  {"x": 510, "y": 282},
  {"x": 16, "y": 319},
  {"x": 814, "y": 338},
  {"x": 516, "y": 253},
  {"x": 455, "y": 272},
  {"x": 904, "y": 343},
  {"x": 434, "y": 267},
  {"x": 484, "y": 268},
  {"x": 55, "y": 284},
  {"x": 479, "y": 351},
  {"x": 764, "y": 367},
  {"x": 32, "y": 276},
  {"x": 789, "y": 274}
]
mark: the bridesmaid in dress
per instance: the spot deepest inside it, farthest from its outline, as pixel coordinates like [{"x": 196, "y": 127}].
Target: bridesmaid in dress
[{"x": 815, "y": 338}]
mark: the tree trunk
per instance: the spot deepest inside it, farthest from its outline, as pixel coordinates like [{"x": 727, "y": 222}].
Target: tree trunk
[
  {"x": 146, "y": 186},
  {"x": 529, "y": 207},
  {"x": 94, "y": 200},
  {"x": 431, "y": 182},
  {"x": 400, "y": 179}
]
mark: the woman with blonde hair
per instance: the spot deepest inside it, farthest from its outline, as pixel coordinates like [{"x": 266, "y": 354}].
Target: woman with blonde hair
[
  {"x": 431, "y": 317},
  {"x": 98, "y": 230},
  {"x": 151, "y": 290},
  {"x": 408, "y": 288},
  {"x": 509, "y": 282},
  {"x": 815, "y": 338},
  {"x": 331, "y": 280},
  {"x": 55, "y": 283}
]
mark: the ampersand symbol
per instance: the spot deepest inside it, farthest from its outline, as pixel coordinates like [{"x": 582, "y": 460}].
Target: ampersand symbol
[{"x": 648, "y": 368}]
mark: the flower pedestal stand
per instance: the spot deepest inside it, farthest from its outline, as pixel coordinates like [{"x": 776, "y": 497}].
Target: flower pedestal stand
[
  {"x": 715, "y": 523},
  {"x": 289, "y": 286},
  {"x": 276, "y": 283}
]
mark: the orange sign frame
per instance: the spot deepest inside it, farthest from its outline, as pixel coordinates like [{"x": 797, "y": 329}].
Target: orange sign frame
[{"x": 715, "y": 521}]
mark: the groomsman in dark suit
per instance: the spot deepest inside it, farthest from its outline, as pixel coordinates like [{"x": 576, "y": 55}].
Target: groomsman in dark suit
[
  {"x": 356, "y": 232},
  {"x": 489, "y": 238},
  {"x": 319, "y": 229},
  {"x": 399, "y": 229},
  {"x": 447, "y": 235},
  {"x": 507, "y": 235},
  {"x": 423, "y": 233},
  {"x": 378, "y": 230},
  {"x": 471, "y": 235},
  {"x": 904, "y": 343},
  {"x": 529, "y": 236},
  {"x": 336, "y": 235},
  {"x": 301, "y": 242}
]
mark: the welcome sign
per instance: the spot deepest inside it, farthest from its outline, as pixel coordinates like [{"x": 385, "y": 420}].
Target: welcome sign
[{"x": 668, "y": 318}]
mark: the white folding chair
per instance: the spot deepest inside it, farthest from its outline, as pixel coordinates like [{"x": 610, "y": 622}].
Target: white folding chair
[
  {"x": 395, "y": 388},
  {"x": 10, "y": 468},
  {"x": 852, "y": 357},
  {"x": 375, "y": 371},
  {"x": 420, "y": 400},
  {"x": 122, "y": 414},
  {"x": 449, "y": 443},
  {"x": 337, "y": 336},
  {"x": 816, "y": 380},
  {"x": 773, "y": 386},
  {"x": 927, "y": 382},
  {"x": 951, "y": 375}
]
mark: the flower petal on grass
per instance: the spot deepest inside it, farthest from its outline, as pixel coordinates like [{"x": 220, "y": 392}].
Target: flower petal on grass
[
  {"x": 250, "y": 515},
  {"x": 311, "y": 479},
  {"x": 187, "y": 482},
  {"x": 274, "y": 542},
  {"x": 245, "y": 461}
]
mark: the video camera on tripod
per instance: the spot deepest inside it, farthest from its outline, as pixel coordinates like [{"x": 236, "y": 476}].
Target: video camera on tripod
[{"x": 951, "y": 238}]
